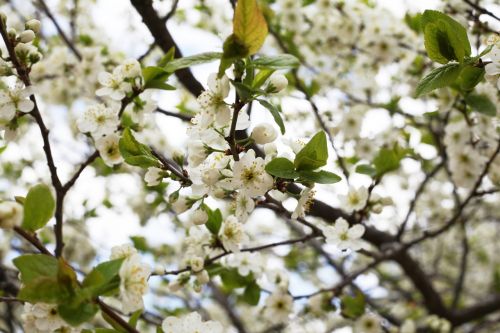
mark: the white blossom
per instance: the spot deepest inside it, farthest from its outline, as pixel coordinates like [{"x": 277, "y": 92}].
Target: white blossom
[
  {"x": 250, "y": 176},
  {"x": 355, "y": 199},
  {"x": 133, "y": 283},
  {"x": 153, "y": 176},
  {"x": 191, "y": 323},
  {"x": 15, "y": 99},
  {"x": 368, "y": 323},
  {"x": 279, "y": 305},
  {"x": 114, "y": 85},
  {"x": 232, "y": 234},
  {"x": 305, "y": 200},
  {"x": 109, "y": 150},
  {"x": 246, "y": 263},
  {"x": 98, "y": 120},
  {"x": 44, "y": 318}
]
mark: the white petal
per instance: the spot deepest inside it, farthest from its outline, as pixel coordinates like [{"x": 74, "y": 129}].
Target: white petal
[
  {"x": 356, "y": 231},
  {"x": 341, "y": 225},
  {"x": 25, "y": 105}
]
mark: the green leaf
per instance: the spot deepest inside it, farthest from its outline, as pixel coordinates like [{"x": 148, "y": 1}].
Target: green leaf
[
  {"x": 43, "y": 289},
  {"x": 76, "y": 314},
  {"x": 282, "y": 167},
  {"x": 244, "y": 92},
  {"x": 39, "y": 207},
  {"x": 320, "y": 177},
  {"x": 440, "y": 77},
  {"x": 366, "y": 169},
  {"x": 275, "y": 113},
  {"x": 445, "y": 38},
  {"x": 314, "y": 154},
  {"x": 353, "y": 307},
  {"x": 140, "y": 243},
  {"x": 249, "y": 25},
  {"x": 388, "y": 159},
  {"x": 136, "y": 153},
  {"x": 232, "y": 279},
  {"x": 103, "y": 279},
  {"x": 134, "y": 318},
  {"x": 193, "y": 60},
  {"x": 262, "y": 77},
  {"x": 33, "y": 266},
  {"x": 282, "y": 61},
  {"x": 482, "y": 104},
  {"x": 470, "y": 76},
  {"x": 251, "y": 294},
  {"x": 155, "y": 77},
  {"x": 168, "y": 57},
  {"x": 214, "y": 219}
]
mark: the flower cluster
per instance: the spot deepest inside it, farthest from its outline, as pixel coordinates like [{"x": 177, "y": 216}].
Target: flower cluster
[{"x": 134, "y": 276}]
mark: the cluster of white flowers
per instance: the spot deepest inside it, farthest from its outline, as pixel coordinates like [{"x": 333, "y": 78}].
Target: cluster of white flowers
[
  {"x": 101, "y": 121},
  {"x": 134, "y": 276},
  {"x": 44, "y": 318},
  {"x": 190, "y": 323}
]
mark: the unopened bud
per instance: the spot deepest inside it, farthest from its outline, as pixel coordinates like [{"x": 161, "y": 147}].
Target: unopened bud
[
  {"x": 33, "y": 25},
  {"x": 277, "y": 82},
  {"x": 26, "y": 36},
  {"x": 264, "y": 133}
]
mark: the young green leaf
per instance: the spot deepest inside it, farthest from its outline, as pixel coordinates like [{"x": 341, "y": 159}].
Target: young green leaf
[
  {"x": 155, "y": 78},
  {"x": 282, "y": 167},
  {"x": 193, "y": 60},
  {"x": 353, "y": 306},
  {"x": 32, "y": 266},
  {"x": 320, "y": 177},
  {"x": 438, "y": 78},
  {"x": 482, "y": 104},
  {"x": 136, "y": 153},
  {"x": 282, "y": 61},
  {"x": 275, "y": 112},
  {"x": 103, "y": 278},
  {"x": 39, "y": 207},
  {"x": 43, "y": 289},
  {"x": 214, "y": 222},
  {"x": 366, "y": 169},
  {"x": 251, "y": 294},
  {"x": 388, "y": 159},
  {"x": 78, "y": 313},
  {"x": 470, "y": 76},
  {"x": 445, "y": 38},
  {"x": 249, "y": 25},
  {"x": 314, "y": 154}
]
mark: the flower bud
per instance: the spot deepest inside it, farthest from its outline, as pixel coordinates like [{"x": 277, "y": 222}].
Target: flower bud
[
  {"x": 26, "y": 36},
  {"x": 33, "y": 25},
  {"x": 277, "y": 82},
  {"x": 11, "y": 214},
  {"x": 180, "y": 205},
  {"x": 264, "y": 133},
  {"x": 3, "y": 17},
  {"x": 12, "y": 33},
  {"x": 203, "y": 277},
  {"x": 210, "y": 177},
  {"x": 199, "y": 217}
]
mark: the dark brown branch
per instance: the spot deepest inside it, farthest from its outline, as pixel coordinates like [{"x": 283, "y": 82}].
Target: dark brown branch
[
  {"x": 164, "y": 40},
  {"x": 181, "y": 116},
  {"x": 61, "y": 33}
]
